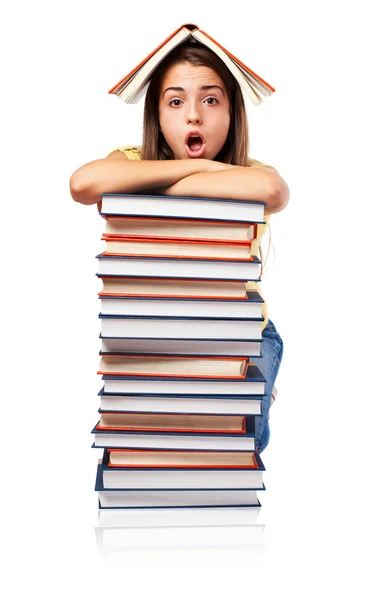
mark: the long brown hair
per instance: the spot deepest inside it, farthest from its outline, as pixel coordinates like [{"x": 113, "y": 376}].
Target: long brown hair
[{"x": 235, "y": 148}]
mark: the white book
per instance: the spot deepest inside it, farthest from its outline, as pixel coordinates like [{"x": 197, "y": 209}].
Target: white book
[
  {"x": 131, "y": 266},
  {"x": 180, "y": 478},
  {"x": 134, "y": 385},
  {"x": 183, "y": 207},
  {"x": 177, "y": 498},
  {"x": 174, "y": 327},
  {"x": 174, "y": 307},
  {"x": 219, "y": 347},
  {"x": 181, "y": 404},
  {"x": 200, "y": 441}
]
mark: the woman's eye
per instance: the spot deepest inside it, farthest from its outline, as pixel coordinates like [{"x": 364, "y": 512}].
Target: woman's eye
[
  {"x": 211, "y": 100},
  {"x": 175, "y": 102}
]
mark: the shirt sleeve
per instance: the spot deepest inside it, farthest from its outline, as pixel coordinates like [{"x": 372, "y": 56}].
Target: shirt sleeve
[
  {"x": 252, "y": 162},
  {"x": 131, "y": 152}
]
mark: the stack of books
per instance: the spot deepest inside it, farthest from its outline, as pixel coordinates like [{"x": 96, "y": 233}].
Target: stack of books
[{"x": 178, "y": 332}]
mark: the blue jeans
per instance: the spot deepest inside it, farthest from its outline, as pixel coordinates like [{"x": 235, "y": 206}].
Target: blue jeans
[{"x": 272, "y": 351}]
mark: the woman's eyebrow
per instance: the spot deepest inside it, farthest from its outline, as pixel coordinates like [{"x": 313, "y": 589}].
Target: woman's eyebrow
[{"x": 202, "y": 88}]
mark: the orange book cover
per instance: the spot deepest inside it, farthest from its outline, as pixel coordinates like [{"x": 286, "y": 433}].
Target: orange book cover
[
  {"x": 111, "y": 237},
  {"x": 238, "y": 61},
  {"x": 126, "y": 451},
  {"x": 141, "y": 64}
]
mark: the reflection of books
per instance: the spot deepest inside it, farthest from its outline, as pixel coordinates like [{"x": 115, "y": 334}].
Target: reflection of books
[
  {"x": 187, "y": 517},
  {"x": 157, "y": 537}
]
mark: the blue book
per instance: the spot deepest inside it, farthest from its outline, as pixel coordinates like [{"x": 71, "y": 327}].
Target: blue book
[
  {"x": 218, "y": 209},
  {"x": 198, "y": 440},
  {"x": 253, "y": 384},
  {"x": 173, "y": 498},
  {"x": 157, "y": 266},
  {"x": 182, "y": 404}
]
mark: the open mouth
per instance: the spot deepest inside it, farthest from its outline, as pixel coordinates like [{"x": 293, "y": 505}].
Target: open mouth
[{"x": 195, "y": 144}]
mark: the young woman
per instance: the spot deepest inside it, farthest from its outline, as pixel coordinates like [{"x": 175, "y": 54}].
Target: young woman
[{"x": 195, "y": 143}]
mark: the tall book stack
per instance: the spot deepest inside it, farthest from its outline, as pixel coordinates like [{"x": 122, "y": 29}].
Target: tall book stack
[{"x": 178, "y": 332}]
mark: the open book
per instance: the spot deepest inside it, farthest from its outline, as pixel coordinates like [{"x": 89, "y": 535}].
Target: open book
[{"x": 131, "y": 88}]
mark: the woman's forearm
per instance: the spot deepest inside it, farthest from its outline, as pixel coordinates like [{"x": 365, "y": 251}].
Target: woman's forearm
[
  {"x": 117, "y": 175},
  {"x": 238, "y": 183}
]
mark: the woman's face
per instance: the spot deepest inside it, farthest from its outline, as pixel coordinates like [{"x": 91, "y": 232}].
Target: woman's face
[{"x": 194, "y": 111}]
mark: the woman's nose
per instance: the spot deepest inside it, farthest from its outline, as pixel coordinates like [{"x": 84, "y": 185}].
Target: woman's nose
[{"x": 193, "y": 115}]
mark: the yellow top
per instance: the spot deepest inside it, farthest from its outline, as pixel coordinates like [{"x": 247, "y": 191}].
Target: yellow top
[{"x": 134, "y": 153}]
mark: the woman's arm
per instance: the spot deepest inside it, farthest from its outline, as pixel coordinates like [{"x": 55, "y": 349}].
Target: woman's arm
[
  {"x": 239, "y": 183},
  {"x": 117, "y": 174}
]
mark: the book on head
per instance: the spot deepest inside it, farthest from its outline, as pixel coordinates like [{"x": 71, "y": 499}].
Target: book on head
[{"x": 131, "y": 88}]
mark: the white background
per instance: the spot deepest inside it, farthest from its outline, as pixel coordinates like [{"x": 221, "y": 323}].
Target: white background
[{"x": 318, "y": 130}]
